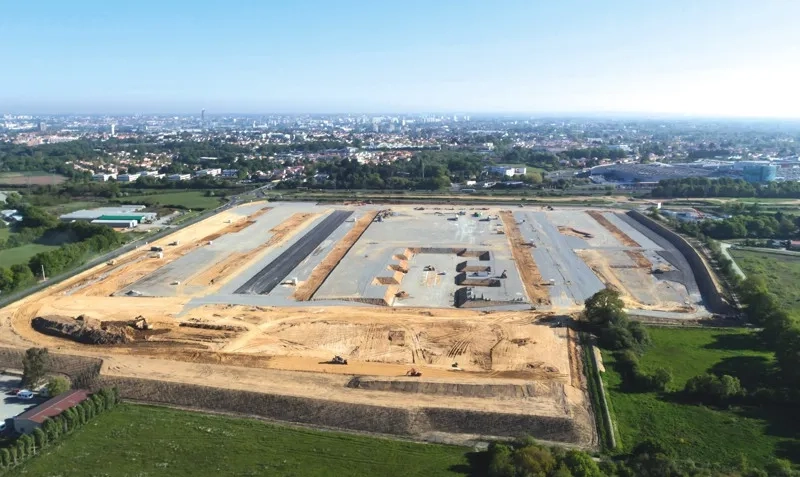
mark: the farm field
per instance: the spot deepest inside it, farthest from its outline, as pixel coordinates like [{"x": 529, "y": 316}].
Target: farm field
[
  {"x": 161, "y": 441},
  {"x": 30, "y": 178},
  {"x": 694, "y": 431},
  {"x": 190, "y": 199},
  {"x": 781, "y": 272},
  {"x": 21, "y": 254}
]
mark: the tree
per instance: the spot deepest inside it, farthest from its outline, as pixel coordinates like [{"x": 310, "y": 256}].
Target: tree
[
  {"x": 5, "y": 457},
  {"x": 534, "y": 460},
  {"x": 33, "y": 366},
  {"x": 500, "y": 464},
  {"x": 660, "y": 379},
  {"x": 581, "y": 464},
  {"x": 39, "y": 437},
  {"x": 57, "y": 385},
  {"x": 603, "y": 306},
  {"x": 712, "y": 389}
]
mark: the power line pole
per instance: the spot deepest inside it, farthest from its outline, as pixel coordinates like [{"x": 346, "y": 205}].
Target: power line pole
[{"x": 44, "y": 277}]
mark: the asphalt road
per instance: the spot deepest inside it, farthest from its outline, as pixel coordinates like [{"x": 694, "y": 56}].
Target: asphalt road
[{"x": 270, "y": 276}]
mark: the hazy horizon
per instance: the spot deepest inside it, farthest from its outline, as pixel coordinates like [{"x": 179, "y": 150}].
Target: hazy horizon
[{"x": 713, "y": 59}]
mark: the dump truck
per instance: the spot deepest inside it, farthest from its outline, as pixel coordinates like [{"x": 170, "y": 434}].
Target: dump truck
[{"x": 156, "y": 249}]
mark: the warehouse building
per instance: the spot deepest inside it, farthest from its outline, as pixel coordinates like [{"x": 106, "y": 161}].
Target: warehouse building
[
  {"x": 33, "y": 418},
  {"x": 123, "y": 214}
]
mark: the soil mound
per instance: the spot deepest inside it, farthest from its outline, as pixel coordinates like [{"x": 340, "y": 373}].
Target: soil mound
[
  {"x": 449, "y": 388},
  {"x": 80, "y": 329}
]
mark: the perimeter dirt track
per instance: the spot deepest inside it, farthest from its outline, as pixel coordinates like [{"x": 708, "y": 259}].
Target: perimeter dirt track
[{"x": 531, "y": 278}]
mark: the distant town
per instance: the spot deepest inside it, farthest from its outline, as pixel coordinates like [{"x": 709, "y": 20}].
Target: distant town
[{"x": 502, "y": 152}]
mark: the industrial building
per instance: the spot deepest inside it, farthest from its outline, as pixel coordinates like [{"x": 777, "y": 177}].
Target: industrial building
[
  {"x": 123, "y": 216},
  {"x": 33, "y": 418}
]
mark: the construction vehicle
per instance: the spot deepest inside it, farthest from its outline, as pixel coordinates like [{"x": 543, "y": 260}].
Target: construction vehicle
[
  {"x": 413, "y": 373},
  {"x": 504, "y": 274},
  {"x": 111, "y": 262},
  {"x": 338, "y": 360},
  {"x": 156, "y": 249},
  {"x": 173, "y": 244},
  {"x": 428, "y": 268},
  {"x": 549, "y": 283}
]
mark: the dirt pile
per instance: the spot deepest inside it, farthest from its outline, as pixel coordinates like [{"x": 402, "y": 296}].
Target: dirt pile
[
  {"x": 81, "y": 329},
  {"x": 449, "y": 388},
  {"x": 211, "y": 326}
]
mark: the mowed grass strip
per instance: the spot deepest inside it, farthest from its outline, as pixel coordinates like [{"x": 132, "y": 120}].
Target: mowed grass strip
[
  {"x": 144, "y": 440},
  {"x": 22, "y": 254},
  {"x": 695, "y": 432},
  {"x": 190, "y": 199},
  {"x": 781, "y": 272}
]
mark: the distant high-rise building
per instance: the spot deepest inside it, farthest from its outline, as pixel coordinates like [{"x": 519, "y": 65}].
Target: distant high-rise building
[
  {"x": 113, "y": 129},
  {"x": 203, "y": 115},
  {"x": 42, "y": 126}
]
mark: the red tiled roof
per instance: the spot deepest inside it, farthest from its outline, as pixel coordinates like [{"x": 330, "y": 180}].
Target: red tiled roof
[{"x": 55, "y": 406}]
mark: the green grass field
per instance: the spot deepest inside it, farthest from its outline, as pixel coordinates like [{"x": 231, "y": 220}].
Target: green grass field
[
  {"x": 191, "y": 199},
  {"x": 22, "y": 254},
  {"x": 696, "y": 432},
  {"x": 143, "y": 440},
  {"x": 781, "y": 272},
  {"x": 31, "y": 178}
]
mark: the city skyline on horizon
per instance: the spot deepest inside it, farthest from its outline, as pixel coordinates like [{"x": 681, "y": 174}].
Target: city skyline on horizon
[{"x": 717, "y": 59}]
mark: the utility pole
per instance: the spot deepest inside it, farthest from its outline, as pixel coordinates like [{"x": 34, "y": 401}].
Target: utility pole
[{"x": 44, "y": 277}]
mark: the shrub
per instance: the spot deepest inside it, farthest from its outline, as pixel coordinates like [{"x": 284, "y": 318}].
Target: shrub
[
  {"x": 57, "y": 385},
  {"x": 711, "y": 389}
]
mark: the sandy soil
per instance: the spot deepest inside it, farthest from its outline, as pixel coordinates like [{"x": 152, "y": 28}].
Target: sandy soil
[
  {"x": 306, "y": 290},
  {"x": 615, "y": 231},
  {"x": 531, "y": 277}
]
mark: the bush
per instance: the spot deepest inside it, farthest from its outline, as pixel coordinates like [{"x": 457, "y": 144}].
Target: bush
[
  {"x": 57, "y": 385},
  {"x": 711, "y": 389}
]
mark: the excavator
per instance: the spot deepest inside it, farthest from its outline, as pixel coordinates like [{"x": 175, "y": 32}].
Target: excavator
[{"x": 413, "y": 373}]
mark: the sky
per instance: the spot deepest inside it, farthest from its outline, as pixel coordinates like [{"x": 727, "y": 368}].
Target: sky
[{"x": 715, "y": 58}]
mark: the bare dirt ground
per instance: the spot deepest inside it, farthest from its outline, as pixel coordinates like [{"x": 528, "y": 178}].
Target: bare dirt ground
[
  {"x": 531, "y": 277},
  {"x": 615, "y": 231},
  {"x": 306, "y": 290},
  {"x": 288, "y": 349}
]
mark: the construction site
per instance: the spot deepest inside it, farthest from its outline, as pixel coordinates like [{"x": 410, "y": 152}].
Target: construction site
[{"x": 453, "y": 319}]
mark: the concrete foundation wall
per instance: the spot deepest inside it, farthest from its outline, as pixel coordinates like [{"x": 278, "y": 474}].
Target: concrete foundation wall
[{"x": 712, "y": 298}]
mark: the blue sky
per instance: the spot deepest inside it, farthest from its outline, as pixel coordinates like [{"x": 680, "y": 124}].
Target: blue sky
[{"x": 677, "y": 57}]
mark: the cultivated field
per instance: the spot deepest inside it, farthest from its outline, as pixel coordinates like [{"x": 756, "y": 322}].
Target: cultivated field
[
  {"x": 30, "y": 178},
  {"x": 261, "y": 297}
]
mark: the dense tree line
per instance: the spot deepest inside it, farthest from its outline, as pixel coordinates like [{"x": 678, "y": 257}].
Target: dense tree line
[
  {"x": 777, "y": 225},
  {"x": 47, "y": 157},
  {"x": 526, "y": 458},
  {"x": 628, "y": 340},
  {"x": 724, "y": 187}
]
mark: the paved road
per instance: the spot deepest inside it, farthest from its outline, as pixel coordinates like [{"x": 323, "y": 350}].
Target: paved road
[
  {"x": 270, "y": 276},
  {"x": 724, "y": 249}
]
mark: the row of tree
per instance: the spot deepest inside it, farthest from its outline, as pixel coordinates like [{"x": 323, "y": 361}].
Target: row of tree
[
  {"x": 778, "y": 225},
  {"x": 54, "y": 429},
  {"x": 724, "y": 187},
  {"x": 526, "y": 458}
]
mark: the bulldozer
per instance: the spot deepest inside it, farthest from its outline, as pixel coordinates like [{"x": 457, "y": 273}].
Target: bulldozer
[
  {"x": 338, "y": 360},
  {"x": 413, "y": 373}
]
